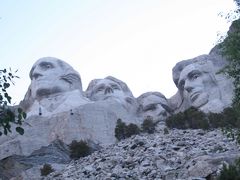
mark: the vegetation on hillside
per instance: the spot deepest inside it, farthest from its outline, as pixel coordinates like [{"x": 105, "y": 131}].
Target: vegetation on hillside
[
  {"x": 46, "y": 170},
  {"x": 230, "y": 49},
  {"x": 123, "y": 131},
  {"x": 79, "y": 149},
  {"x": 230, "y": 172},
  {"x": 7, "y": 114}
]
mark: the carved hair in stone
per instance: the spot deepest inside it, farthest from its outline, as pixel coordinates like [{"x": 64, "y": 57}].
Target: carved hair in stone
[
  {"x": 111, "y": 88},
  {"x": 154, "y": 104},
  {"x": 198, "y": 81}
]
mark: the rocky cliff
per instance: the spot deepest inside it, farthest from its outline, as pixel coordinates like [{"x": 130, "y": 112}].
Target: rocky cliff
[{"x": 59, "y": 111}]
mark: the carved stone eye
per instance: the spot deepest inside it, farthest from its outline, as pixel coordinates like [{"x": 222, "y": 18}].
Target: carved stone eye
[
  {"x": 115, "y": 87},
  {"x": 150, "y": 107},
  {"x": 195, "y": 76},
  {"x": 46, "y": 65},
  {"x": 100, "y": 89}
]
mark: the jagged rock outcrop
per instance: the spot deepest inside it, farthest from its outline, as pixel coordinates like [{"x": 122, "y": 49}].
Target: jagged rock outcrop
[
  {"x": 178, "y": 154},
  {"x": 28, "y": 167}
]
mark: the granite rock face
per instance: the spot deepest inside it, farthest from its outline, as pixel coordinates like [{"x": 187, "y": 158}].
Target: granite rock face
[
  {"x": 57, "y": 109},
  {"x": 93, "y": 121},
  {"x": 28, "y": 167}
]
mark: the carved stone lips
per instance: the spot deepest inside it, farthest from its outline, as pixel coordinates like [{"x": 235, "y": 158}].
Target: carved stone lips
[
  {"x": 108, "y": 97},
  {"x": 195, "y": 95}
]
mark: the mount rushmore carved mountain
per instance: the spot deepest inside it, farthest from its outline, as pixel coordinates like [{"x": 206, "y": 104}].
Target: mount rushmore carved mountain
[{"x": 59, "y": 111}]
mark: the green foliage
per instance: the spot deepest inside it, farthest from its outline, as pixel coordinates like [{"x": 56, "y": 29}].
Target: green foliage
[
  {"x": 191, "y": 118},
  {"x": 165, "y": 131},
  {"x": 120, "y": 130},
  {"x": 123, "y": 131},
  {"x": 148, "y": 125},
  {"x": 46, "y": 170},
  {"x": 230, "y": 49},
  {"x": 132, "y": 129},
  {"x": 228, "y": 118},
  {"x": 231, "y": 172},
  {"x": 195, "y": 119},
  {"x": 79, "y": 149},
  {"x": 7, "y": 115},
  {"x": 232, "y": 134}
]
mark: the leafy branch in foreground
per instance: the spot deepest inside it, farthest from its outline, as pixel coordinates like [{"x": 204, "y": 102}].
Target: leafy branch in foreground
[{"x": 8, "y": 115}]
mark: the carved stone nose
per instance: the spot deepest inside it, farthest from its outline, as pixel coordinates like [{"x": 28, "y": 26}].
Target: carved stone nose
[
  {"x": 36, "y": 75},
  {"x": 188, "y": 89},
  {"x": 108, "y": 90}
]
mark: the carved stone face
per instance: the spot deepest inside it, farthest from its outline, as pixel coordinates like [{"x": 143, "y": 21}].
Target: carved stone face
[
  {"x": 106, "y": 89},
  {"x": 154, "y": 105},
  {"x": 51, "y": 75},
  {"x": 114, "y": 89},
  {"x": 199, "y": 83}
]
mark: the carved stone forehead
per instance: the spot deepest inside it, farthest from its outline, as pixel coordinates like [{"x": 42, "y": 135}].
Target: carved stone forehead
[
  {"x": 105, "y": 82},
  {"x": 109, "y": 79},
  {"x": 152, "y": 97},
  {"x": 188, "y": 69},
  {"x": 56, "y": 62},
  {"x": 201, "y": 66}
]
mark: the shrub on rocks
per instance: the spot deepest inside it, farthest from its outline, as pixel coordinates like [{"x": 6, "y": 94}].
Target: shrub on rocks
[
  {"x": 132, "y": 129},
  {"x": 120, "y": 130},
  {"x": 228, "y": 118},
  {"x": 123, "y": 131},
  {"x": 231, "y": 172},
  {"x": 191, "y": 118},
  {"x": 46, "y": 170},
  {"x": 79, "y": 149},
  {"x": 148, "y": 125},
  {"x": 165, "y": 131}
]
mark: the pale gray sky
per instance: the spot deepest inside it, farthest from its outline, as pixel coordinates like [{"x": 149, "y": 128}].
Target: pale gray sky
[{"x": 136, "y": 41}]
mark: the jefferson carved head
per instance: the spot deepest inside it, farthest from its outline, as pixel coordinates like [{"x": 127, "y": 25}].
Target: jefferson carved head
[
  {"x": 51, "y": 75},
  {"x": 111, "y": 88},
  {"x": 154, "y": 104},
  {"x": 199, "y": 82}
]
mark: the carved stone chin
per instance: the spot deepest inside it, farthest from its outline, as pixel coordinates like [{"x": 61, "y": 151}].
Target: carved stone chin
[{"x": 201, "y": 99}]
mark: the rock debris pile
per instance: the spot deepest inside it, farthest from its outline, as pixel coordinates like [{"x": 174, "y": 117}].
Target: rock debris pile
[{"x": 178, "y": 154}]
